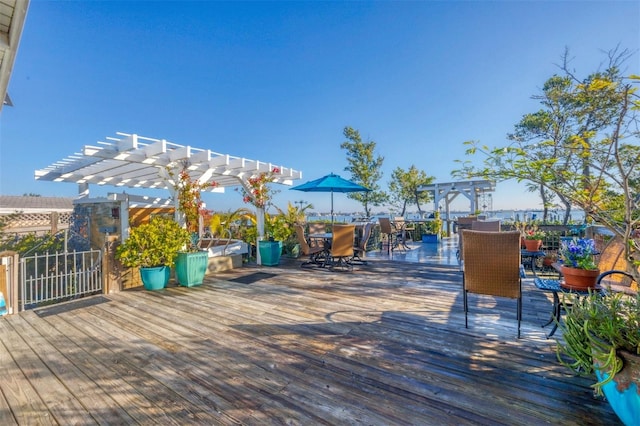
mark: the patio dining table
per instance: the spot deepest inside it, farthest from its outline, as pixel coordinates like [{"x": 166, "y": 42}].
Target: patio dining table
[
  {"x": 326, "y": 238},
  {"x": 555, "y": 287}
]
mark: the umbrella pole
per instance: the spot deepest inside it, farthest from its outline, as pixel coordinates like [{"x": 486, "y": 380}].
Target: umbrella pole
[{"x": 332, "y": 207}]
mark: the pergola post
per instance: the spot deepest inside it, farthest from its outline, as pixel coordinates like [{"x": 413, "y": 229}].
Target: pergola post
[{"x": 260, "y": 229}]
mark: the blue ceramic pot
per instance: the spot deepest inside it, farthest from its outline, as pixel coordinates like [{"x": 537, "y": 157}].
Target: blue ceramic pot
[
  {"x": 155, "y": 278},
  {"x": 622, "y": 391},
  {"x": 270, "y": 252}
]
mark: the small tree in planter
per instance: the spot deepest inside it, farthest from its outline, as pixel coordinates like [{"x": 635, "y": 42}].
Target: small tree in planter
[
  {"x": 257, "y": 191},
  {"x": 153, "y": 247},
  {"x": 191, "y": 263}
]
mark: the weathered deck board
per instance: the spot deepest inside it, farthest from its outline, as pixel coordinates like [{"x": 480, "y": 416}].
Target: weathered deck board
[{"x": 384, "y": 345}]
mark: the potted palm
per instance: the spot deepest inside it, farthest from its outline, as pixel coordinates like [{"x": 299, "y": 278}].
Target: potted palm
[
  {"x": 153, "y": 247},
  {"x": 601, "y": 338},
  {"x": 283, "y": 228},
  {"x": 191, "y": 262}
]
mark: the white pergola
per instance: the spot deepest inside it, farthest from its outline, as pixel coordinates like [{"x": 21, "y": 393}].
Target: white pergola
[{"x": 133, "y": 161}]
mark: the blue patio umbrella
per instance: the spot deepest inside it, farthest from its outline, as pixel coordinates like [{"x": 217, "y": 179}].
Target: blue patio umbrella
[{"x": 331, "y": 183}]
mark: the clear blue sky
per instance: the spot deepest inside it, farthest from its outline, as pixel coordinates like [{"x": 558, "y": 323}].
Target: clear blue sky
[{"x": 278, "y": 81}]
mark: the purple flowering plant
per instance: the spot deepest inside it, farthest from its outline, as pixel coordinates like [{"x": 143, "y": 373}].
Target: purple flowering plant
[{"x": 579, "y": 253}]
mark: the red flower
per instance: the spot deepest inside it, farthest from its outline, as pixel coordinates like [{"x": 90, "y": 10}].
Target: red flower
[
  {"x": 259, "y": 194},
  {"x": 189, "y": 201}
]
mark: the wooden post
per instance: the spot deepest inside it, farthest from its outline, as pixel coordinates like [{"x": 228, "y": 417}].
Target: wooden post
[
  {"x": 54, "y": 222},
  {"x": 10, "y": 288},
  {"x": 111, "y": 279}
]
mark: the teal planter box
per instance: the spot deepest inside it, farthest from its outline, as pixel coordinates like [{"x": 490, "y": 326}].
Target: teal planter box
[
  {"x": 430, "y": 238},
  {"x": 155, "y": 278},
  {"x": 191, "y": 268},
  {"x": 270, "y": 252}
]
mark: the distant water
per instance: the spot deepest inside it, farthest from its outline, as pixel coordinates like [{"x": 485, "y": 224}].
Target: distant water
[{"x": 577, "y": 216}]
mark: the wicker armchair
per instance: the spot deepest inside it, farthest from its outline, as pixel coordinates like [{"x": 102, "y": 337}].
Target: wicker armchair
[
  {"x": 360, "y": 250},
  {"x": 614, "y": 275},
  {"x": 491, "y": 266},
  {"x": 314, "y": 253},
  {"x": 389, "y": 229},
  {"x": 342, "y": 243}
]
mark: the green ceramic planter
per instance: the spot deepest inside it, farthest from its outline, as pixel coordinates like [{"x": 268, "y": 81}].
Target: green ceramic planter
[
  {"x": 270, "y": 252},
  {"x": 191, "y": 268}
]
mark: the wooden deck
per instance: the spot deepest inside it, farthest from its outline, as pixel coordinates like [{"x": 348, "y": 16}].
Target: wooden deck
[{"x": 384, "y": 345}]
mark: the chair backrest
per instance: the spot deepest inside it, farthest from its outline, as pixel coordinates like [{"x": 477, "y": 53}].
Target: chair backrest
[
  {"x": 462, "y": 223},
  {"x": 385, "y": 225},
  {"x": 486, "y": 225},
  {"x": 304, "y": 245},
  {"x": 399, "y": 223},
  {"x": 612, "y": 258},
  {"x": 492, "y": 263},
  {"x": 343, "y": 240},
  {"x": 466, "y": 220},
  {"x": 317, "y": 227},
  {"x": 366, "y": 234}
]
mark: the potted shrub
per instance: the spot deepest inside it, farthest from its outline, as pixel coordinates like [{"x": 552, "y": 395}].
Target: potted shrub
[
  {"x": 191, "y": 262},
  {"x": 579, "y": 269},
  {"x": 276, "y": 233},
  {"x": 601, "y": 338},
  {"x": 153, "y": 248},
  {"x": 282, "y": 228},
  {"x": 533, "y": 239},
  {"x": 433, "y": 229}
]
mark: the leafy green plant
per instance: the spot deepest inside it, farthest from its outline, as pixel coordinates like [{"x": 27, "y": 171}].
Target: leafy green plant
[
  {"x": 231, "y": 224},
  {"x": 153, "y": 244},
  {"x": 595, "y": 328},
  {"x": 434, "y": 226}
]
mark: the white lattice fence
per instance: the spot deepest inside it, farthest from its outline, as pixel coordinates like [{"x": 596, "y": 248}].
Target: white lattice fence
[{"x": 38, "y": 222}]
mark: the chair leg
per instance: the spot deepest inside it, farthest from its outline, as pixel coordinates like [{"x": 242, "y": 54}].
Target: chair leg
[
  {"x": 519, "y": 313},
  {"x": 466, "y": 307}
]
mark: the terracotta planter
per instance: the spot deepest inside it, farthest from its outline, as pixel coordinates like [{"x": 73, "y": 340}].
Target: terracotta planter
[
  {"x": 532, "y": 245},
  {"x": 579, "y": 279}
]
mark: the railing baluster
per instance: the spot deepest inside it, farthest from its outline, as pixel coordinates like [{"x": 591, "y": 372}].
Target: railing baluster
[{"x": 56, "y": 276}]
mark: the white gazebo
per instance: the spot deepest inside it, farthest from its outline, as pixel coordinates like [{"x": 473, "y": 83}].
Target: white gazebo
[
  {"x": 449, "y": 191},
  {"x": 133, "y": 161}
]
